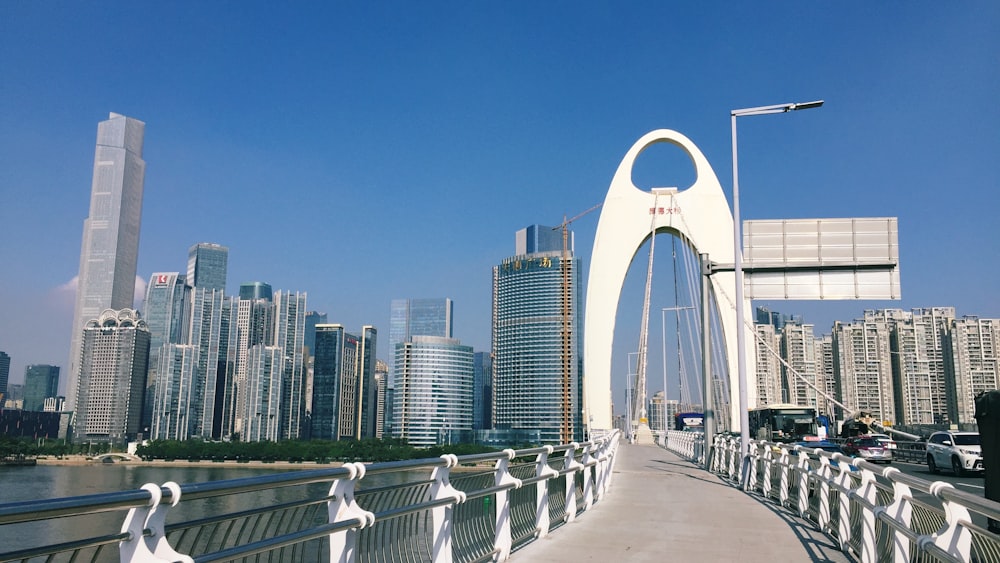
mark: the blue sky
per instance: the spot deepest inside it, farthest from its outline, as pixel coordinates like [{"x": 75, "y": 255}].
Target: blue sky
[{"x": 368, "y": 151}]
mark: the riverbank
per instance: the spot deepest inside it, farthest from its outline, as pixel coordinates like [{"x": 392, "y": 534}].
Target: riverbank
[{"x": 86, "y": 460}]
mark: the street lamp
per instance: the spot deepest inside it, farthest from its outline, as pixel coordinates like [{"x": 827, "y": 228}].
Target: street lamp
[{"x": 741, "y": 359}]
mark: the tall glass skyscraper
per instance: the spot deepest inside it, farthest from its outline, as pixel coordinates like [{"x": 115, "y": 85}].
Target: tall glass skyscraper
[
  {"x": 420, "y": 317},
  {"x": 482, "y": 400},
  {"x": 433, "y": 390},
  {"x": 207, "y": 263},
  {"x": 327, "y": 374},
  {"x": 40, "y": 382},
  {"x": 536, "y": 339},
  {"x": 110, "y": 249},
  {"x": 4, "y": 375}
]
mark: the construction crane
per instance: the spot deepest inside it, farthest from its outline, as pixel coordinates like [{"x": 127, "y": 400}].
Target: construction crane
[{"x": 566, "y": 425}]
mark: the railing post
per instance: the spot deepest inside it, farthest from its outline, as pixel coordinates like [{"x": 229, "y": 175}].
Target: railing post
[
  {"x": 867, "y": 491},
  {"x": 754, "y": 462},
  {"x": 954, "y": 538},
  {"x": 157, "y": 539},
  {"x": 803, "y": 470},
  {"x": 502, "y": 542},
  {"x": 134, "y": 549},
  {"x": 844, "y": 506},
  {"x": 767, "y": 482},
  {"x": 544, "y": 473},
  {"x": 901, "y": 511},
  {"x": 588, "y": 483},
  {"x": 572, "y": 464},
  {"x": 825, "y": 475},
  {"x": 342, "y": 506},
  {"x": 783, "y": 467},
  {"x": 443, "y": 517}
]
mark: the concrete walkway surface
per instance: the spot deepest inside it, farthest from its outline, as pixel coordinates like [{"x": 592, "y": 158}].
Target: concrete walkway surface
[{"x": 661, "y": 507}]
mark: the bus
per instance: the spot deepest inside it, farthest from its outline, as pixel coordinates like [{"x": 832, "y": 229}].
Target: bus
[{"x": 783, "y": 423}]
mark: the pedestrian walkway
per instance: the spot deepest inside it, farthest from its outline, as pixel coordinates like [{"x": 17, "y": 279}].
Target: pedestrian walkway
[{"x": 662, "y": 507}]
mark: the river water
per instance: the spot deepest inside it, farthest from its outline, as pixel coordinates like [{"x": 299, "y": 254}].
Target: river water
[{"x": 54, "y": 481}]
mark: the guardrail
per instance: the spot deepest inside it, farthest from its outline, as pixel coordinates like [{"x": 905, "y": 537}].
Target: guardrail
[
  {"x": 690, "y": 445},
  {"x": 428, "y": 519},
  {"x": 874, "y": 513}
]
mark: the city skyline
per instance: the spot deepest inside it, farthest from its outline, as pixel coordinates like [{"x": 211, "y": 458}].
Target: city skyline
[{"x": 458, "y": 132}]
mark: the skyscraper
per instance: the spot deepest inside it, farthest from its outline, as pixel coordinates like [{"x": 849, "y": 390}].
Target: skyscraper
[
  {"x": 327, "y": 374},
  {"x": 113, "y": 367},
  {"x": 482, "y": 399},
  {"x": 166, "y": 312},
  {"x": 414, "y": 317},
  {"x": 974, "y": 361},
  {"x": 420, "y": 317},
  {"x": 110, "y": 248},
  {"x": 289, "y": 335},
  {"x": 207, "y": 263},
  {"x": 536, "y": 330},
  {"x": 40, "y": 382},
  {"x": 4, "y": 375},
  {"x": 433, "y": 390}
]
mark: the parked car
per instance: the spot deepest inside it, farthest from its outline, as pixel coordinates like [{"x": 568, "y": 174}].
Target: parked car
[
  {"x": 867, "y": 448},
  {"x": 961, "y": 451},
  {"x": 885, "y": 440}
]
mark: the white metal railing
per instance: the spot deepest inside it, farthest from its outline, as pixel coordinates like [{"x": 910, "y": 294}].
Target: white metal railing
[
  {"x": 874, "y": 513},
  {"x": 690, "y": 445},
  {"x": 426, "y": 520}
]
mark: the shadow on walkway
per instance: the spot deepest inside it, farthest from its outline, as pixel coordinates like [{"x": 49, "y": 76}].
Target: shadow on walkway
[{"x": 662, "y": 507}]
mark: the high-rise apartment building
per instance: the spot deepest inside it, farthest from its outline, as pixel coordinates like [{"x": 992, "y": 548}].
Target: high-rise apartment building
[
  {"x": 657, "y": 421},
  {"x": 769, "y": 369},
  {"x": 110, "y": 248},
  {"x": 482, "y": 387},
  {"x": 382, "y": 384},
  {"x": 173, "y": 399},
  {"x": 864, "y": 367},
  {"x": 254, "y": 326},
  {"x": 113, "y": 368},
  {"x": 211, "y": 331},
  {"x": 166, "y": 313},
  {"x": 536, "y": 340},
  {"x": 433, "y": 390},
  {"x": 973, "y": 358},
  {"x": 262, "y": 418},
  {"x": 801, "y": 375},
  {"x": 207, "y": 266},
  {"x": 40, "y": 382},
  {"x": 289, "y": 335}
]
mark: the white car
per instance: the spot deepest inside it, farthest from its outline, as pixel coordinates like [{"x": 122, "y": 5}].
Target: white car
[
  {"x": 885, "y": 440},
  {"x": 959, "y": 451}
]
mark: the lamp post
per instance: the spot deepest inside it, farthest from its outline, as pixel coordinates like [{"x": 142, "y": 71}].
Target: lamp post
[{"x": 741, "y": 359}]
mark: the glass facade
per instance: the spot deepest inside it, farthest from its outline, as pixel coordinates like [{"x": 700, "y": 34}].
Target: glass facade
[
  {"x": 433, "y": 395},
  {"x": 166, "y": 315},
  {"x": 536, "y": 345},
  {"x": 207, "y": 265},
  {"x": 4, "y": 375},
  {"x": 482, "y": 400},
  {"x": 109, "y": 251},
  {"x": 327, "y": 362},
  {"x": 40, "y": 382}
]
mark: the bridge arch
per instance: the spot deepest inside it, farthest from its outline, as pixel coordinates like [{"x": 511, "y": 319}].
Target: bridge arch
[{"x": 701, "y": 215}]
